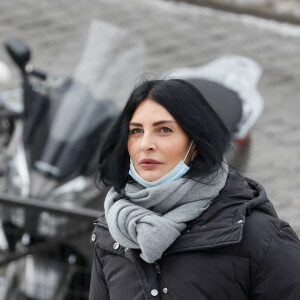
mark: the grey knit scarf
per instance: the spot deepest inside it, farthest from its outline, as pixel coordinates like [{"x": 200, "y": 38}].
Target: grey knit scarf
[{"x": 151, "y": 219}]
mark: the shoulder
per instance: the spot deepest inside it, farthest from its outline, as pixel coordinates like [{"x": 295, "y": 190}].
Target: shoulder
[
  {"x": 274, "y": 252},
  {"x": 263, "y": 232}
]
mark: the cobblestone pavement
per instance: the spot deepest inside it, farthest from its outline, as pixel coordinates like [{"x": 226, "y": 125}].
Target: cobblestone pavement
[
  {"x": 177, "y": 35},
  {"x": 282, "y": 10}
]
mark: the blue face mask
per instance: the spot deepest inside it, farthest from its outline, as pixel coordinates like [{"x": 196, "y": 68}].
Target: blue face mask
[{"x": 178, "y": 171}]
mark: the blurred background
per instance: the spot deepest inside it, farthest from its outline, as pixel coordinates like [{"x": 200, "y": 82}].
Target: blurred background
[{"x": 100, "y": 43}]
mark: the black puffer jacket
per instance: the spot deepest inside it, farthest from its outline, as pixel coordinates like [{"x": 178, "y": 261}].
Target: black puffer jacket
[{"x": 238, "y": 249}]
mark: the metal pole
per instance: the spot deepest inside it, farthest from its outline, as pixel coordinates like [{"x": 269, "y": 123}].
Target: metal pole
[{"x": 39, "y": 205}]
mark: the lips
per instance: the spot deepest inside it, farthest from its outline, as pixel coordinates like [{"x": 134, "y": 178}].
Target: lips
[{"x": 148, "y": 163}]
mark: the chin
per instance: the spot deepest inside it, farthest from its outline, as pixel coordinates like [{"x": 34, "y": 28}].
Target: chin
[{"x": 150, "y": 177}]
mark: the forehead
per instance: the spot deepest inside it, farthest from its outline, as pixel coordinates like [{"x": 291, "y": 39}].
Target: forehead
[{"x": 150, "y": 110}]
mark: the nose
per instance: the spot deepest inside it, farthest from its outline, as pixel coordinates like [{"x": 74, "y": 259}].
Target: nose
[{"x": 148, "y": 143}]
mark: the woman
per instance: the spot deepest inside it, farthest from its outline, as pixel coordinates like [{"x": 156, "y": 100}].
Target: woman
[{"x": 178, "y": 224}]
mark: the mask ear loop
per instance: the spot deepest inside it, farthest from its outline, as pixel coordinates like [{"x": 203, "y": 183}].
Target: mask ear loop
[{"x": 188, "y": 150}]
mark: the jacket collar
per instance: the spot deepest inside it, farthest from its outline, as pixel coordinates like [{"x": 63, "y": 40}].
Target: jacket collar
[{"x": 221, "y": 224}]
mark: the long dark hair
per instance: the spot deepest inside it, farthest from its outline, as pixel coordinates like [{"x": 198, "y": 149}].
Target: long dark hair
[{"x": 193, "y": 114}]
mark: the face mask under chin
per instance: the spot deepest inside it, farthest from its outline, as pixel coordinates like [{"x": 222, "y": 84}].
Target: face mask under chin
[{"x": 177, "y": 172}]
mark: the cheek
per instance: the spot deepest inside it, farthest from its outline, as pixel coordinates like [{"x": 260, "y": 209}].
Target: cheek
[
  {"x": 176, "y": 151},
  {"x": 130, "y": 147}
]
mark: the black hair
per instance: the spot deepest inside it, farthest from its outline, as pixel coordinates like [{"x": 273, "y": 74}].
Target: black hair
[{"x": 190, "y": 110}]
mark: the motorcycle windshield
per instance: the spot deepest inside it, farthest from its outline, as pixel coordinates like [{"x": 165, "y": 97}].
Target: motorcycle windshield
[{"x": 82, "y": 109}]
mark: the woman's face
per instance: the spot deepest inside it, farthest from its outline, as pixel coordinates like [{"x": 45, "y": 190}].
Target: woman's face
[{"x": 156, "y": 143}]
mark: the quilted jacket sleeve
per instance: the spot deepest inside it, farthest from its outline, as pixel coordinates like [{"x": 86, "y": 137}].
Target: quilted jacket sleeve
[
  {"x": 98, "y": 286},
  {"x": 278, "y": 276}
]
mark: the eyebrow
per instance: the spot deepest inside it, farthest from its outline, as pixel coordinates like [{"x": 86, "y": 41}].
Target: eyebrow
[{"x": 154, "y": 124}]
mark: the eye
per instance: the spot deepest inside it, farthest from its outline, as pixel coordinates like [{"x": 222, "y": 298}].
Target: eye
[
  {"x": 165, "y": 130},
  {"x": 135, "y": 131}
]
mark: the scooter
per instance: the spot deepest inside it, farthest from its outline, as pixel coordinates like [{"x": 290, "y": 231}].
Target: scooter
[{"x": 48, "y": 180}]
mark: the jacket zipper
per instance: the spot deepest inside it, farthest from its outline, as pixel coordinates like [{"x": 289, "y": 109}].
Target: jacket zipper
[
  {"x": 158, "y": 275},
  {"x": 157, "y": 269}
]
